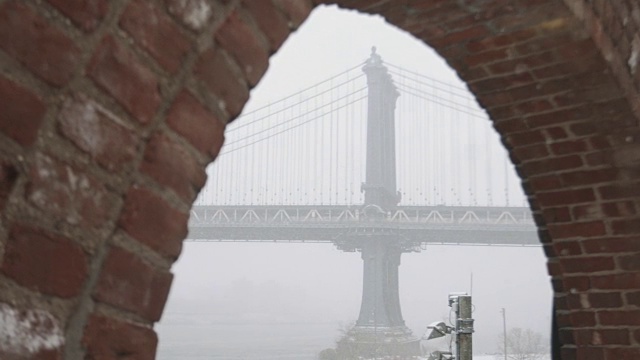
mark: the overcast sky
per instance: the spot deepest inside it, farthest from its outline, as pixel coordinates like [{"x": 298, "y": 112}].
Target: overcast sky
[{"x": 316, "y": 282}]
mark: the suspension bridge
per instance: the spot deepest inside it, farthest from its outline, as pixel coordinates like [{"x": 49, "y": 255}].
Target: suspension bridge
[{"x": 377, "y": 159}]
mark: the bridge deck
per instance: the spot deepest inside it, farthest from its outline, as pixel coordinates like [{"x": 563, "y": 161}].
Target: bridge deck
[{"x": 415, "y": 224}]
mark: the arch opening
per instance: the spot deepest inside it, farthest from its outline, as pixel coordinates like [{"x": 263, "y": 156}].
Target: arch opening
[{"x": 338, "y": 295}]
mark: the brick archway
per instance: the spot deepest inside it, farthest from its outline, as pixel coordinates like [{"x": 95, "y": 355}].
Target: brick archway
[{"x": 105, "y": 131}]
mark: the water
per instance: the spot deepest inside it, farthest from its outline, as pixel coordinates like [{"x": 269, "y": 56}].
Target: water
[
  {"x": 195, "y": 337},
  {"x": 198, "y": 337}
]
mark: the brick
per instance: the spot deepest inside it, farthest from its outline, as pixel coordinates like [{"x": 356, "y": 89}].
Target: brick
[
  {"x": 525, "y": 139},
  {"x": 41, "y": 47},
  {"x": 505, "y": 127},
  {"x": 612, "y": 245},
  {"x": 106, "y": 338},
  {"x": 272, "y": 23},
  {"x": 555, "y": 133},
  {"x": 577, "y": 230},
  {"x": 619, "y": 209},
  {"x": 213, "y": 68},
  {"x": 68, "y": 194},
  {"x": 97, "y": 132},
  {"x": 559, "y": 116},
  {"x": 566, "y": 197},
  {"x": 252, "y": 56},
  {"x": 121, "y": 75},
  {"x": 43, "y": 262},
  {"x": 590, "y": 177},
  {"x": 589, "y": 264},
  {"x": 8, "y": 177},
  {"x": 522, "y": 64},
  {"x": 195, "y": 123},
  {"x": 194, "y": 14},
  {"x": 605, "y": 300},
  {"x": 22, "y": 112},
  {"x": 569, "y": 147},
  {"x": 130, "y": 284},
  {"x": 556, "y": 215},
  {"x": 87, "y": 14},
  {"x": 608, "y": 336},
  {"x": 576, "y": 283},
  {"x": 625, "y": 353},
  {"x": 567, "y": 248},
  {"x": 583, "y": 318},
  {"x": 503, "y": 40},
  {"x": 474, "y": 32},
  {"x": 619, "y": 191},
  {"x": 153, "y": 222},
  {"x": 31, "y": 323},
  {"x": 629, "y": 262},
  {"x": 586, "y": 212},
  {"x": 625, "y": 227},
  {"x": 153, "y": 30},
  {"x": 619, "y": 318},
  {"x": 486, "y": 57},
  {"x": 171, "y": 165},
  {"x": 534, "y": 106},
  {"x": 536, "y": 151},
  {"x": 295, "y": 10},
  {"x": 551, "y": 165},
  {"x": 554, "y": 269},
  {"x": 633, "y": 298},
  {"x": 622, "y": 281}
]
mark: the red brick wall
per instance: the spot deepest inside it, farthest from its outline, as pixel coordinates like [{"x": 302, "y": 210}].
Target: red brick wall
[{"x": 105, "y": 132}]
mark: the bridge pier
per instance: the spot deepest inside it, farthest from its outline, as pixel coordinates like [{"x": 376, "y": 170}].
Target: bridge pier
[
  {"x": 380, "y": 298},
  {"x": 380, "y": 329}
]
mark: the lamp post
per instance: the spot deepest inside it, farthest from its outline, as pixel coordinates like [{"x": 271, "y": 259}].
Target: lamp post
[
  {"x": 463, "y": 330},
  {"x": 504, "y": 331}
]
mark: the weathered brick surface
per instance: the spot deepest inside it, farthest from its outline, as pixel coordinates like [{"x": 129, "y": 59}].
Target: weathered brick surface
[
  {"x": 68, "y": 194},
  {"x": 270, "y": 20},
  {"x": 560, "y": 79},
  {"x": 43, "y": 262},
  {"x": 154, "y": 30},
  {"x": 128, "y": 283},
  {"x": 8, "y": 177},
  {"x": 296, "y": 10},
  {"x": 87, "y": 14},
  {"x": 38, "y": 45},
  {"x": 116, "y": 70},
  {"x": 171, "y": 165},
  {"x": 221, "y": 78},
  {"x": 152, "y": 221},
  {"x": 194, "y": 14},
  {"x": 107, "y": 338},
  {"x": 97, "y": 132},
  {"x": 195, "y": 123},
  {"x": 252, "y": 56},
  {"x": 41, "y": 324},
  {"x": 22, "y": 112}
]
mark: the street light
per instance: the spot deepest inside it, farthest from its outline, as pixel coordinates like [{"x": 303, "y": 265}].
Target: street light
[
  {"x": 438, "y": 329},
  {"x": 463, "y": 330}
]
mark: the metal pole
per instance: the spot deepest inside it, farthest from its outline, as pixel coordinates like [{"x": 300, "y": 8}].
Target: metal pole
[
  {"x": 504, "y": 331},
  {"x": 464, "y": 328}
]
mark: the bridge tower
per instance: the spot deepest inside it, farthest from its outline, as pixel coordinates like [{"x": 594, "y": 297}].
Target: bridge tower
[{"x": 380, "y": 328}]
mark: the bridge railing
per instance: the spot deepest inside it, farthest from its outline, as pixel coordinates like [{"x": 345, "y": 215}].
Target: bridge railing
[{"x": 288, "y": 215}]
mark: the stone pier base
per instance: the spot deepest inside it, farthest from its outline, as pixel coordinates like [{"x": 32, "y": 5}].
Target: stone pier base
[{"x": 369, "y": 342}]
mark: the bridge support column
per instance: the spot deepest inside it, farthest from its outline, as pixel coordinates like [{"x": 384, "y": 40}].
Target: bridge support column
[
  {"x": 380, "y": 289},
  {"x": 380, "y": 329}
]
